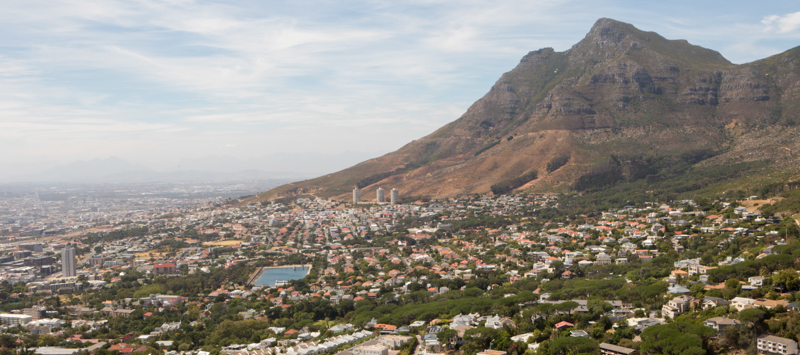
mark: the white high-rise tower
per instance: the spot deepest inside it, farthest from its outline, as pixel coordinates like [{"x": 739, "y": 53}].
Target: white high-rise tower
[
  {"x": 381, "y": 195},
  {"x": 356, "y": 195},
  {"x": 68, "y": 262},
  {"x": 395, "y": 196}
]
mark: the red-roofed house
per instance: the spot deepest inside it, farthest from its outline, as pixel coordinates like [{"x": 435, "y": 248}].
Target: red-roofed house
[
  {"x": 561, "y": 325},
  {"x": 164, "y": 268},
  {"x": 122, "y": 348},
  {"x": 217, "y": 293},
  {"x": 117, "y": 347}
]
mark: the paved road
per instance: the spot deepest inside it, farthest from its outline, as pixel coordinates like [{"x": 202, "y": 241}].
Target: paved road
[{"x": 419, "y": 345}]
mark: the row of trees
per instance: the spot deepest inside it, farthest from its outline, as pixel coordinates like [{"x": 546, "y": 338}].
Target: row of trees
[{"x": 509, "y": 185}]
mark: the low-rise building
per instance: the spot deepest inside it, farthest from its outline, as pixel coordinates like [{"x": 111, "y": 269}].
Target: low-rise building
[
  {"x": 164, "y": 268},
  {"x": 8, "y": 318},
  {"x": 393, "y": 341},
  {"x": 700, "y": 269},
  {"x": 492, "y": 352},
  {"x": 742, "y": 303},
  {"x": 677, "y": 306},
  {"x": 720, "y": 323},
  {"x": 777, "y": 345},
  {"x": 610, "y": 349},
  {"x": 36, "y": 312},
  {"x": 711, "y": 302},
  {"x": 48, "y": 350},
  {"x": 371, "y": 350}
]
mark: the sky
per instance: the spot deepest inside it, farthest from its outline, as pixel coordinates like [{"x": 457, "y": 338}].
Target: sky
[{"x": 154, "y": 82}]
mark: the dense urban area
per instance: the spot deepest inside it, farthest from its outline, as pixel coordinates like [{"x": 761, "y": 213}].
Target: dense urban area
[{"x": 487, "y": 275}]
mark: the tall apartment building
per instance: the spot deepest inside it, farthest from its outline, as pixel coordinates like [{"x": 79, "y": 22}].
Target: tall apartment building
[
  {"x": 68, "y": 262},
  {"x": 356, "y": 195},
  {"x": 381, "y": 197},
  {"x": 395, "y": 196}
]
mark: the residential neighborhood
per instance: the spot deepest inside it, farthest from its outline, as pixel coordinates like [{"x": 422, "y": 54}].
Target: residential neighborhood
[{"x": 496, "y": 275}]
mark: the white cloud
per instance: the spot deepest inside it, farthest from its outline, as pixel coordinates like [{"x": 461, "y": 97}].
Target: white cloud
[
  {"x": 145, "y": 79},
  {"x": 782, "y": 24}
]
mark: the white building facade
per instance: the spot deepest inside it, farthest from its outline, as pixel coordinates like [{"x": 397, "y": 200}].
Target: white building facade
[{"x": 68, "y": 262}]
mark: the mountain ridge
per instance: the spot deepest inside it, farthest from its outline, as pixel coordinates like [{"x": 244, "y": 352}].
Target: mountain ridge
[{"x": 621, "y": 93}]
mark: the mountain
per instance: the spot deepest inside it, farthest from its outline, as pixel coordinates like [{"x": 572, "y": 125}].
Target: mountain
[{"x": 622, "y": 106}]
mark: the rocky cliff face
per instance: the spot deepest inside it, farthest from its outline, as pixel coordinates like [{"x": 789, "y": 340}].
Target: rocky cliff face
[{"x": 618, "y": 91}]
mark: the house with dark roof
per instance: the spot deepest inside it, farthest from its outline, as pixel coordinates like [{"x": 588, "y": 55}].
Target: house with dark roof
[
  {"x": 711, "y": 302},
  {"x": 720, "y": 323}
]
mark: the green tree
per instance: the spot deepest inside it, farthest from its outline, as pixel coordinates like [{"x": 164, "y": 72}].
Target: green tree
[
  {"x": 730, "y": 336},
  {"x": 566, "y": 307},
  {"x": 7, "y": 341},
  {"x": 787, "y": 278},
  {"x": 503, "y": 341},
  {"x": 446, "y": 336},
  {"x": 732, "y": 287},
  {"x": 677, "y": 338},
  {"x": 598, "y": 307},
  {"x": 572, "y": 345},
  {"x": 753, "y": 319}
]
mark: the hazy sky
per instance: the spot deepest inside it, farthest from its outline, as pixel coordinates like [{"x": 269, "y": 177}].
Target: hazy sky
[{"x": 155, "y": 81}]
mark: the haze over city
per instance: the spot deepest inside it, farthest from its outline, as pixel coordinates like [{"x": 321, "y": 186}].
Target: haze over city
[{"x": 164, "y": 86}]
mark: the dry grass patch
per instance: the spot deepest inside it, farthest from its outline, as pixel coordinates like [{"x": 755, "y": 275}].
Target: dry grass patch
[
  {"x": 224, "y": 243},
  {"x": 753, "y": 205},
  {"x": 149, "y": 254}
]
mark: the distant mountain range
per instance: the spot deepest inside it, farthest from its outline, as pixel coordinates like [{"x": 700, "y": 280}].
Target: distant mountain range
[
  {"x": 286, "y": 166},
  {"x": 622, "y": 107}
]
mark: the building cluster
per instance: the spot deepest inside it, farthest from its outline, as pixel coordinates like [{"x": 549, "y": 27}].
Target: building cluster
[
  {"x": 380, "y": 196},
  {"x": 385, "y": 251},
  {"x": 28, "y": 212}
]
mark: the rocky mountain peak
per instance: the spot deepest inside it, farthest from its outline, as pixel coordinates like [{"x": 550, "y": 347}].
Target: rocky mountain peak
[
  {"x": 619, "y": 92},
  {"x": 608, "y": 33}
]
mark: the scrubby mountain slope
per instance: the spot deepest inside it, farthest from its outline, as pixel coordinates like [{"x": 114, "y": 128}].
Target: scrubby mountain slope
[{"x": 622, "y": 104}]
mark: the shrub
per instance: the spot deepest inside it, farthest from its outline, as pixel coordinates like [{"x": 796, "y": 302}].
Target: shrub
[
  {"x": 557, "y": 162},
  {"x": 511, "y": 184}
]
